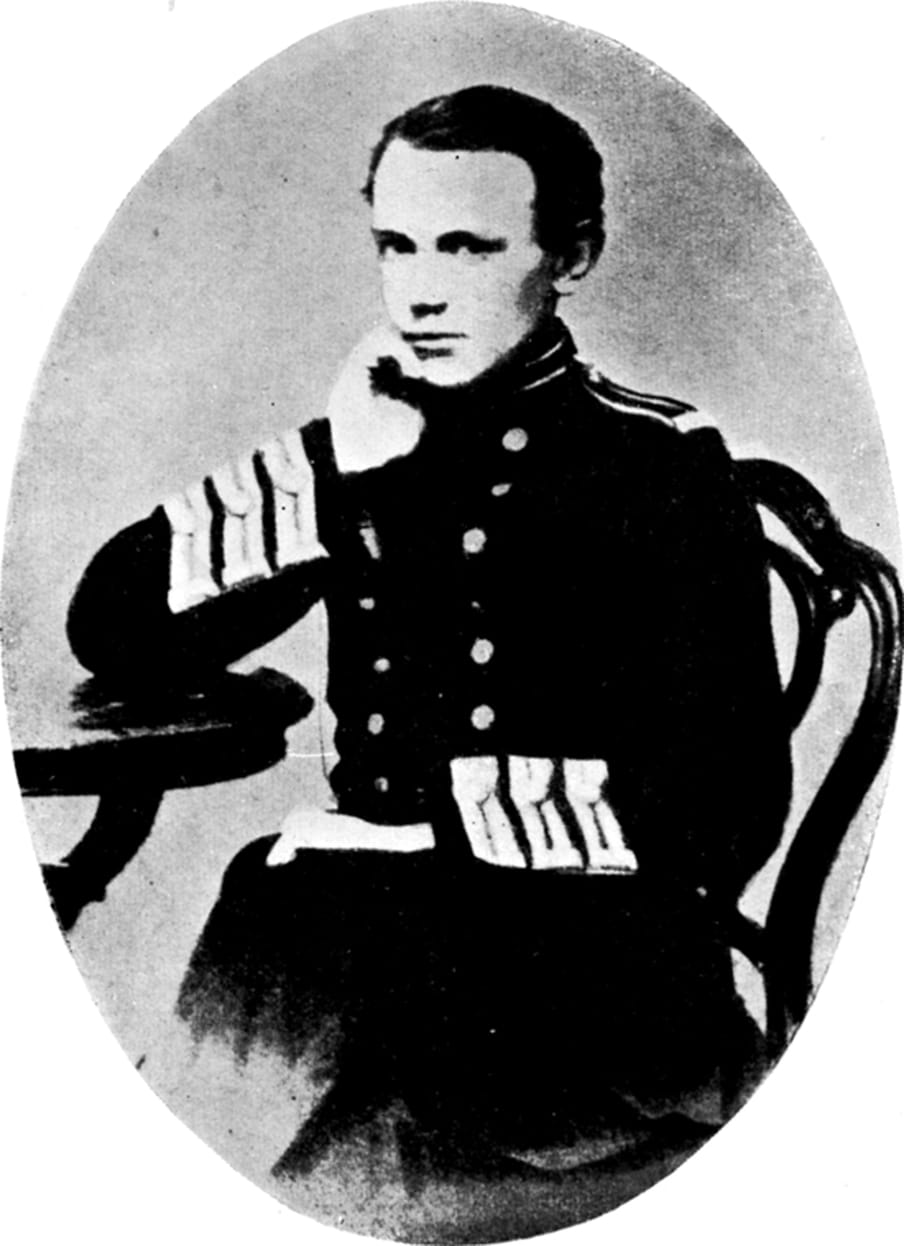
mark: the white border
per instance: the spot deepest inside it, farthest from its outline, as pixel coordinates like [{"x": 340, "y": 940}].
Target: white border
[{"x": 93, "y": 91}]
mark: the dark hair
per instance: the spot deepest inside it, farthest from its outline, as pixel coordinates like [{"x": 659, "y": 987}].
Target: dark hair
[{"x": 567, "y": 168}]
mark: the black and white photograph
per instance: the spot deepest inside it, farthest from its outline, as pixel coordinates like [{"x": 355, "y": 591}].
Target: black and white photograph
[{"x": 451, "y": 625}]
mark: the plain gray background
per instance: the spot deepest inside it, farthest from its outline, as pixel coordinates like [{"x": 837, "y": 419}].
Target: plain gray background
[{"x": 132, "y": 359}]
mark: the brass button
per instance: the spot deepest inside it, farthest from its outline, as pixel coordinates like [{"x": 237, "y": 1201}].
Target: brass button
[
  {"x": 381, "y": 784},
  {"x": 474, "y": 540},
  {"x": 515, "y": 439},
  {"x": 366, "y": 603},
  {"x": 375, "y": 724},
  {"x": 481, "y": 651},
  {"x": 483, "y": 717},
  {"x": 381, "y": 665}
]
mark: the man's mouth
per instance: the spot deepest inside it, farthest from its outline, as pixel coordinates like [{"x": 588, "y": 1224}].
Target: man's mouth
[
  {"x": 431, "y": 345},
  {"x": 431, "y": 352}
]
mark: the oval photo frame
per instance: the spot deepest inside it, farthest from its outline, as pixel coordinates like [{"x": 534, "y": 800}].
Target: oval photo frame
[{"x": 241, "y": 441}]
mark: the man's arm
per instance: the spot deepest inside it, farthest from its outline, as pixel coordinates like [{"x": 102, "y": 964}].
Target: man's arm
[
  {"x": 713, "y": 774},
  {"x": 210, "y": 575},
  {"x": 235, "y": 559}
]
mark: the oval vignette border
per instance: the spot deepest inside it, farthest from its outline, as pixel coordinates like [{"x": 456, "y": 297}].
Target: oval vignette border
[{"x": 64, "y": 1142}]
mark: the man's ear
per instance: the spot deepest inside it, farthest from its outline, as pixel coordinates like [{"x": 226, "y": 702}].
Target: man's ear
[{"x": 569, "y": 269}]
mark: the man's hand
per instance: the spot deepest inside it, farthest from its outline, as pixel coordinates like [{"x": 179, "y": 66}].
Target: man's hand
[
  {"x": 304, "y": 829},
  {"x": 370, "y": 429}
]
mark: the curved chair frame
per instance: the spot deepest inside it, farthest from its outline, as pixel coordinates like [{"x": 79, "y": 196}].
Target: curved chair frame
[{"x": 841, "y": 572}]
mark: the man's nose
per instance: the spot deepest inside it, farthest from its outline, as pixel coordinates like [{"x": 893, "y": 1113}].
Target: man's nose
[{"x": 427, "y": 286}]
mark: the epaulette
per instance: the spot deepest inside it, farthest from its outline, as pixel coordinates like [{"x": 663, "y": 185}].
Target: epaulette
[{"x": 679, "y": 415}]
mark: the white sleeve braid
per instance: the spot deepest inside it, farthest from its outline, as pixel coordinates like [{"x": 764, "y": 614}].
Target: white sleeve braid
[{"x": 242, "y": 523}]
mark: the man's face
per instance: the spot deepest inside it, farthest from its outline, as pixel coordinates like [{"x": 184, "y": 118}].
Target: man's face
[{"x": 464, "y": 282}]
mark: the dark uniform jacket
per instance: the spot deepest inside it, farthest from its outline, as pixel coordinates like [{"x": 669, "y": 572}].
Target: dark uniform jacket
[
  {"x": 549, "y": 638},
  {"x": 557, "y": 571}
]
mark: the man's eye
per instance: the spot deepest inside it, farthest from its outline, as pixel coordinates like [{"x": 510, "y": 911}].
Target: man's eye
[
  {"x": 470, "y": 246},
  {"x": 391, "y": 246}
]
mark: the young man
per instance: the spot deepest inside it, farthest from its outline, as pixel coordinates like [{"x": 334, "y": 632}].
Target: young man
[{"x": 559, "y": 726}]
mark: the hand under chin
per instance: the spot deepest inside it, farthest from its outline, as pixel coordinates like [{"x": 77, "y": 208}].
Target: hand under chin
[{"x": 370, "y": 429}]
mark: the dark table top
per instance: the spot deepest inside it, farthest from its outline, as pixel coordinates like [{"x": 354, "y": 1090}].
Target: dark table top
[{"x": 95, "y": 736}]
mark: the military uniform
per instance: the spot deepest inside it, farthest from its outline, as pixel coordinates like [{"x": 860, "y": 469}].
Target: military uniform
[{"x": 550, "y": 647}]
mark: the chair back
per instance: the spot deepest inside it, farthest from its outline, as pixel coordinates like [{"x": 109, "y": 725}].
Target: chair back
[{"x": 826, "y": 581}]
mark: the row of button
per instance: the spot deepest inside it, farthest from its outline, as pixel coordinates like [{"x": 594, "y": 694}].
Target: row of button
[
  {"x": 473, "y": 542},
  {"x": 482, "y": 718},
  {"x": 481, "y": 652}
]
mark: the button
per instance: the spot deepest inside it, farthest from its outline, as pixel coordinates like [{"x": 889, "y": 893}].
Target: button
[
  {"x": 481, "y": 651},
  {"x": 499, "y": 491},
  {"x": 515, "y": 439},
  {"x": 375, "y": 724},
  {"x": 381, "y": 784},
  {"x": 381, "y": 665},
  {"x": 482, "y": 717},
  {"x": 474, "y": 540},
  {"x": 367, "y": 603}
]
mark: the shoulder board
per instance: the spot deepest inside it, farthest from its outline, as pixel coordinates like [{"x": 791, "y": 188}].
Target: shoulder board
[
  {"x": 679, "y": 415},
  {"x": 691, "y": 421}
]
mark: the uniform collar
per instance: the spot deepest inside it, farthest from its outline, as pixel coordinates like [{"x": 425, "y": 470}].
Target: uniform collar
[{"x": 548, "y": 355}]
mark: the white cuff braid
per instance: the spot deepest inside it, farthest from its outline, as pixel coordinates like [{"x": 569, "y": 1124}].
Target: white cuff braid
[{"x": 243, "y": 523}]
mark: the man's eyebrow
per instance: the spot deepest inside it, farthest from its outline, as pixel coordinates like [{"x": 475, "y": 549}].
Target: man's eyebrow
[{"x": 481, "y": 243}]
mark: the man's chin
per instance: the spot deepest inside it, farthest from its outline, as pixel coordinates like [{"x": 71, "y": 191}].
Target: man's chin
[
  {"x": 419, "y": 386},
  {"x": 442, "y": 373}
]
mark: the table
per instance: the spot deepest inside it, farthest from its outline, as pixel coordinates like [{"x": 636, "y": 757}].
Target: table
[{"x": 130, "y": 746}]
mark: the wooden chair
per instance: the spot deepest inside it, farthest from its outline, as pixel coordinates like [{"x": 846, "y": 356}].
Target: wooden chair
[{"x": 827, "y": 578}]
